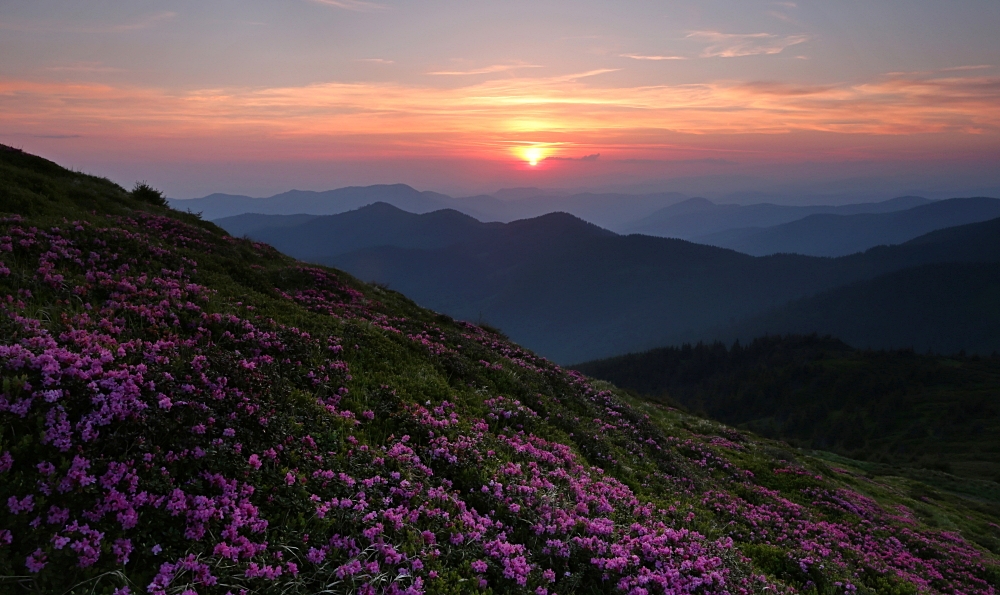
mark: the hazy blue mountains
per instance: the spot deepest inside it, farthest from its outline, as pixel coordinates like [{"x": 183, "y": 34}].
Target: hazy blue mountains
[
  {"x": 664, "y": 214},
  {"x": 830, "y": 234},
  {"x": 698, "y": 217},
  {"x": 294, "y": 202},
  {"x": 614, "y": 211}
]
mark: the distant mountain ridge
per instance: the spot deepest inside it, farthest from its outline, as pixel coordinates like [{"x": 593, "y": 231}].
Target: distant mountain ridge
[
  {"x": 608, "y": 210},
  {"x": 698, "y": 217},
  {"x": 831, "y": 234},
  {"x": 623, "y": 213},
  {"x": 294, "y": 202},
  {"x": 574, "y": 291}
]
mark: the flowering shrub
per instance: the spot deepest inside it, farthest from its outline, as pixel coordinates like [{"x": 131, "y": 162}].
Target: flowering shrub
[{"x": 184, "y": 412}]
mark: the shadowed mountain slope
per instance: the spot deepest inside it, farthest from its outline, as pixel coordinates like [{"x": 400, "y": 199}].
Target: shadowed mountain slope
[
  {"x": 945, "y": 308},
  {"x": 578, "y": 296},
  {"x": 241, "y": 225},
  {"x": 378, "y": 224}
]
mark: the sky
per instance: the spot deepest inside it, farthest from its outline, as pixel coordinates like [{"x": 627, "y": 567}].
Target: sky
[{"x": 869, "y": 97}]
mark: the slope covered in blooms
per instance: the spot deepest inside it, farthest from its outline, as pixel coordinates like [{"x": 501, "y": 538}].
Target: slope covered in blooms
[{"x": 186, "y": 412}]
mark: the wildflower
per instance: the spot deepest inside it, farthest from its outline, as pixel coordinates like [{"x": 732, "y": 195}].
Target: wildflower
[{"x": 36, "y": 561}]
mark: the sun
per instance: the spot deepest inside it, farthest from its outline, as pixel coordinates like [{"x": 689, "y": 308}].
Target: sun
[{"x": 533, "y": 155}]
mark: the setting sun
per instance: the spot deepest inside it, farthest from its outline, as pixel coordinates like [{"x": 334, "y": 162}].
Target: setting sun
[{"x": 532, "y": 154}]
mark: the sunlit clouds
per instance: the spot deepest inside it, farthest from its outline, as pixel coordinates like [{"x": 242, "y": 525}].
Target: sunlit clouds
[
  {"x": 654, "y": 58},
  {"x": 484, "y": 116},
  {"x": 735, "y": 45},
  {"x": 484, "y": 70},
  {"x": 358, "y": 5}
]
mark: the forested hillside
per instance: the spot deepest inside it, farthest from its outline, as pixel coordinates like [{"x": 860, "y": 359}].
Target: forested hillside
[{"x": 893, "y": 407}]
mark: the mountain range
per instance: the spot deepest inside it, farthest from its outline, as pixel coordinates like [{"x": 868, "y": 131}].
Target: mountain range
[
  {"x": 607, "y": 209},
  {"x": 666, "y": 214},
  {"x": 574, "y": 291},
  {"x": 830, "y": 234},
  {"x": 698, "y": 217}
]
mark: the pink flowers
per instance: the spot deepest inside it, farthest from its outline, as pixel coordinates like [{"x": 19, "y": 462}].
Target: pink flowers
[
  {"x": 316, "y": 556},
  {"x": 351, "y": 568},
  {"x": 26, "y": 504},
  {"x": 36, "y": 561}
]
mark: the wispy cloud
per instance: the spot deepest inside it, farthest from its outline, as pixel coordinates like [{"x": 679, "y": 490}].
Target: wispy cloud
[
  {"x": 484, "y": 70},
  {"x": 651, "y": 57},
  {"x": 732, "y": 45},
  {"x": 357, "y": 5},
  {"x": 377, "y": 60},
  {"x": 583, "y": 75},
  {"x": 83, "y": 67},
  {"x": 970, "y": 67},
  {"x": 137, "y": 25},
  {"x": 145, "y": 23}
]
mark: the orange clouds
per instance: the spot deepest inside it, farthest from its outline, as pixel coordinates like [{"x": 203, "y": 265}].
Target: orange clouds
[{"x": 486, "y": 118}]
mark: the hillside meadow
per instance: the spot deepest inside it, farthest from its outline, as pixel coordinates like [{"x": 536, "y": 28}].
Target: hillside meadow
[{"x": 186, "y": 412}]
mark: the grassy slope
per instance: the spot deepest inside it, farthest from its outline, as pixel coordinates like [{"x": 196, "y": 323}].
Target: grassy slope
[{"x": 183, "y": 411}]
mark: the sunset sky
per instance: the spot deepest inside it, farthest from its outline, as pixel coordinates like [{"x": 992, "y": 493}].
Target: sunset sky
[{"x": 709, "y": 96}]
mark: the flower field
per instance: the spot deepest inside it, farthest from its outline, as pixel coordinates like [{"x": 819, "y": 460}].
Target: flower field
[{"x": 185, "y": 412}]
